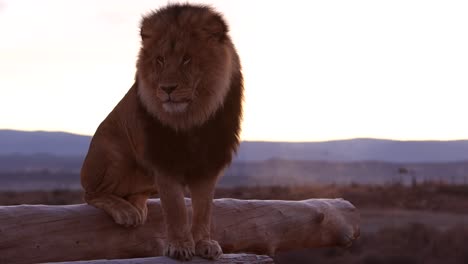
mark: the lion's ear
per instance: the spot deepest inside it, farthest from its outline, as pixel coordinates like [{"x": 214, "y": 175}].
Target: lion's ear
[
  {"x": 146, "y": 26},
  {"x": 216, "y": 28},
  {"x": 144, "y": 35}
]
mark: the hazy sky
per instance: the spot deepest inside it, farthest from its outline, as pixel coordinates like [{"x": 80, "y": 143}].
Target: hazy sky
[{"x": 314, "y": 70}]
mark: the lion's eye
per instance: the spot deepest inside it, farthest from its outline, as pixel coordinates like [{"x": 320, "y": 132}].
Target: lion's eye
[
  {"x": 160, "y": 60},
  {"x": 186, "y": 60}
]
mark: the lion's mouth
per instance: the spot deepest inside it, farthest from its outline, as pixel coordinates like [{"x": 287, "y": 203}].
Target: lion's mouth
[{"x": 173, "y": 106}]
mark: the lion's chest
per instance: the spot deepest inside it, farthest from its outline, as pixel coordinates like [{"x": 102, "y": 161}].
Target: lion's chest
[{"x": 191, "y": 155}]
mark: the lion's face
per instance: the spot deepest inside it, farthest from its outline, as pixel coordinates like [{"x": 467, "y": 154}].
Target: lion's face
[{"x": 184, "y": 66}]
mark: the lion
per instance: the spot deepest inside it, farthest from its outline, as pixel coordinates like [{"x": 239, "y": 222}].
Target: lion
[{"x": 177, "y": 128}]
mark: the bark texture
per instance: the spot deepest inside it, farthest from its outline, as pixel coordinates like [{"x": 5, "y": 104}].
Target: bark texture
[{"x": 42, "y": 233}]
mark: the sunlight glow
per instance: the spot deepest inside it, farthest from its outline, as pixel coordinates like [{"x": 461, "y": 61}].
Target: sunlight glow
[{"x": 314, "y": 70}]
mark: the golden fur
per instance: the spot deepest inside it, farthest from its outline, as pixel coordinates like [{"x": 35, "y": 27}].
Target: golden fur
[{"x": 177, "y": 127}]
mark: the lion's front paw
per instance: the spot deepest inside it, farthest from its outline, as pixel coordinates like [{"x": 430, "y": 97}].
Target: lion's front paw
[
  {"x": 208, "y": 249},
  {"x": 128, "y": 215},
  {"x": 180, "y": 250}
]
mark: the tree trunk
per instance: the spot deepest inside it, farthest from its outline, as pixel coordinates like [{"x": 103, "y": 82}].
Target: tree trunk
[{"x": 40, "y": 233}]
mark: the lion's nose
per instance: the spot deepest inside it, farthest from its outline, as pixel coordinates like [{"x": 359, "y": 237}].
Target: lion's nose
[{"x": 168, "y": 88}]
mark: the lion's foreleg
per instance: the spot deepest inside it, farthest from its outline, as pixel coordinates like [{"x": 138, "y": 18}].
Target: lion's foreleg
[
  {"x": 179, "y": 238},
  {"x": 202, "y": 200}
]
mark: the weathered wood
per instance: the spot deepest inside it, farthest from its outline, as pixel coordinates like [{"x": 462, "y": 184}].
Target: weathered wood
[
  {"x": 40, "y": 233},
  {"x": 225, "y": 259}
]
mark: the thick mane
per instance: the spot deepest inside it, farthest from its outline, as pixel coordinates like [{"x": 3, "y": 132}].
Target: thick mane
[
  {"x": 171, "y": 34},
  {"x": 202, "y": 140},
  {"x": 174, "y": 13},
  {"x": 201, "y": 151}
]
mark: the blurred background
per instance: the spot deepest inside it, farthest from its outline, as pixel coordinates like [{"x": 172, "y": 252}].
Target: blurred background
[{"x": 363, "y": 100}]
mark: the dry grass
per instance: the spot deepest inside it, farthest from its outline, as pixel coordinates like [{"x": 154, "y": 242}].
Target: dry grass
[
  {"x": 429, "y": 197},
  {"x": 413, "y": 244},
  {"x": 56, "y": 197}
]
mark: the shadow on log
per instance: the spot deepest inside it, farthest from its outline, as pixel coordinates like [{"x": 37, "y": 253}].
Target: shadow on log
[{"x": 40, "y": 233}]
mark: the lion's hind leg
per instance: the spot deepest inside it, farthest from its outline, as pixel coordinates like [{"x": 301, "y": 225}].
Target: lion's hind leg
[{"x": 122, "y": 211}]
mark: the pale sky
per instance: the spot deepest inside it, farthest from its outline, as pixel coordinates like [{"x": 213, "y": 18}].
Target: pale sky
[{"x": 314, "y": 70}]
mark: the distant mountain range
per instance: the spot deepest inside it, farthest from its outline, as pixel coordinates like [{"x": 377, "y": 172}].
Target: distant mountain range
[
  {"x": 53, "y": 143},
  {"x": 52, "y": 160},
  {"x": 66, "y": 144}
]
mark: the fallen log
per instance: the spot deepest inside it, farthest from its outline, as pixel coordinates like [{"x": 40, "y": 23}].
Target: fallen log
[{"x": 41, "y": 233}]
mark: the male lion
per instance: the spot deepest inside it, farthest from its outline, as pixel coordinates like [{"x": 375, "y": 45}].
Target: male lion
[{"x": 178, "y": 126}]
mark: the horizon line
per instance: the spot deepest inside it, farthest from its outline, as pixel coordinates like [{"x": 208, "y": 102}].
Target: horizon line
[{"x": 265, "y": 140}]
